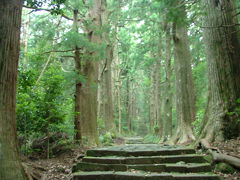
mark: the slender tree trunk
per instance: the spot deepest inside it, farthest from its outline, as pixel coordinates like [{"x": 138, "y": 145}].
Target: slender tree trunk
[
  {"x": 167, "y": 104},
  {"x": 222, "y": 49},
  {"x": 184, "y": 82},
  {"x": 119, "y": 110},
  {"x": 117, "y": 84},
  {"x": 25, "y": 37},
  {"x": 10, "y": 22},
  {"x": 78, "y": 85},
  {"x": 152, "y": 108},
  {"x": 128, "y": 104},
  {"x": 77, "y": 96},
  {"x": 158, "y": 92}
]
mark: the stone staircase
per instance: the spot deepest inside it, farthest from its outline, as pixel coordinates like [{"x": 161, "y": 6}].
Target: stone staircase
[
  {"x": 133, "y": 140},
  {"x": 143, "y": 161}
]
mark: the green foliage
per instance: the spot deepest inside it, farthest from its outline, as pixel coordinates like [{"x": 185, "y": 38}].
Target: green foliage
[
  {"x": 107, "y": 138},
  {"x": 232, "y": 122},
  {"x": 236, "y": 110},
  {"x": 224, "y": 168},
  {"x": 197, "y": 124},
  {"x": 40, "y": 108},
  {"x": 54, "y": 5},
  {"x": 151, "y": 138}
]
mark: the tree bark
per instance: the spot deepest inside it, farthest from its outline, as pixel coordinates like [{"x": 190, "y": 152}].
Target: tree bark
[
  {"x": 107, "y": 73},
  {"x": 10, "y": 22},
  {"x": 88, "y": 104},
  {"x": 167, "y": 104},
  {"x": 184, "y": 84},
  {"x": 222, "y": 52},
  {"x": 152, "y": 103},
  {"x": 78, "y": 85},
  {"x": 128, "y": 104}
]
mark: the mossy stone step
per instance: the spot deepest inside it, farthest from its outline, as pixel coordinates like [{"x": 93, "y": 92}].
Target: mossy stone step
[
  {"x": 177, "y": 168},
  {"x": 145, "y": 161},
  {"x": 187, "y": 158},
  {"x": 111, "y": 175},
  {"x": 133, "y": 140},
  {"x": 106, "y": 152}
]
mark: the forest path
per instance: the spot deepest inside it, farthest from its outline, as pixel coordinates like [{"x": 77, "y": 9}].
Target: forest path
[{"x": 143, "y": 161}]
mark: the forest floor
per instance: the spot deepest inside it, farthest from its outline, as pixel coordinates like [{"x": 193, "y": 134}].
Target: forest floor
[
  {"x": 56, "y": 168},
  {"x": 59, "y": 168}
]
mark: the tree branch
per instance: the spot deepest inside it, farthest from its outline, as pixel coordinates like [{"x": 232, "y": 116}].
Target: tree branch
[
  {"x": 48, "y": 10},
  {"x": 69, "y": 50}
]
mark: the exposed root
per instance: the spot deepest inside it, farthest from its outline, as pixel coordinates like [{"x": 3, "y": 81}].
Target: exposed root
[
  {"x": 217, "y": 156},
  {"x": 34, "y": 172},
  {"x": 183, "y": 136}
]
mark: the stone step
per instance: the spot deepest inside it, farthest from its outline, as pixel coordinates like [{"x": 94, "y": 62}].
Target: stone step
[
  {"x": 187, "y": 158},
  {"x": 176, "y": 168},
  {"x": 108, "y": 152},
  {"x": 111, "y": 175}
]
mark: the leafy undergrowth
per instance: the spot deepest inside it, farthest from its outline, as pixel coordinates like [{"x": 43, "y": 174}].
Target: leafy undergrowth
[
  {"x": 151, "y": 138},
  {"x": 232, "y": 148}
]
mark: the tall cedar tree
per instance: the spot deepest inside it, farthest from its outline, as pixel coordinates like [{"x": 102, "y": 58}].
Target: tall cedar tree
[
  {"x": 88, "y": 103},
  {"x": 10, "y": 22},
  {"x": 184, "y": 83},
  {"x": 223, "y": 55}
]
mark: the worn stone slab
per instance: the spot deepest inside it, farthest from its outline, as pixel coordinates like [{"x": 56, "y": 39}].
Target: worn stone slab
[
  {"x": 187, "y": 158},
  {"x": 134, "y": 140},
  {"x": 141, "y": 176},
  {"x": 181, "y": 168},
  {"x": 143, "y": 150},
  {"x": 145, "y": 161}
]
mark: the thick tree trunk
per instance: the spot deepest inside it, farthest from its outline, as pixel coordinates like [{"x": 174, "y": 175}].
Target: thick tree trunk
[
  {"x": 222, "y": 50},
  {"x": 107, "y": 73},
  {"x": 88, "y": 103},
  {"x": 184, "y": 83},
  {"x": 10, "y": 21},
  {"x": 155, "y": 118},
  {"x": 167, "y": 104},
  {"x": 108, "y": 116}
]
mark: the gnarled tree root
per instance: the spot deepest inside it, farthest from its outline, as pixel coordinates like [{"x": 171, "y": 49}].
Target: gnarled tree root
[
  {"x": 34, "y": 172},
  {"x": 217, "y": 156}
]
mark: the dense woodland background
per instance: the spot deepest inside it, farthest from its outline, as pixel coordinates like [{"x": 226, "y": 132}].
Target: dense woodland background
[{"x": 96, "y": 70}]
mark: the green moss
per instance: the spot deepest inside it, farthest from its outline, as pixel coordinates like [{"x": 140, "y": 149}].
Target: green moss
[
  {"x": 208, "y": 158},
  {"x": 224, "y": 168}
]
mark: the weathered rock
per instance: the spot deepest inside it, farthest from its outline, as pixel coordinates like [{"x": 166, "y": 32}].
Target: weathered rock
[
  {"x": 141, "y": 176},
  {"x": 139, "y": 150},
  {"x": 187, "y": 158}
]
